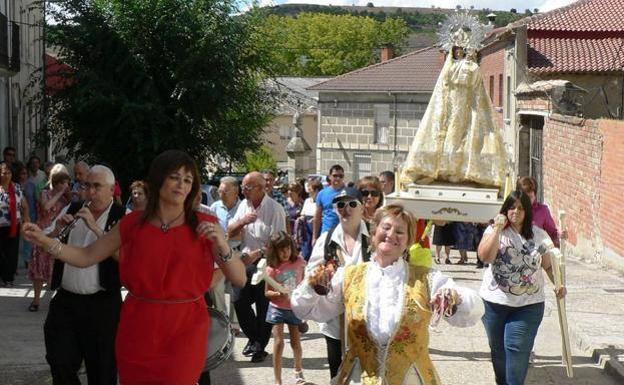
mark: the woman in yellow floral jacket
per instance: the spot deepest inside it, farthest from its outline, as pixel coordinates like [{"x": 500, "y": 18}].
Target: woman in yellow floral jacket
[{"x": 388, "y": 307}]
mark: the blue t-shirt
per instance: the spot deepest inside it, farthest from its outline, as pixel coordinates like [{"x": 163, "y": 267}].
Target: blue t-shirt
[{"x": 324, "y": 200}]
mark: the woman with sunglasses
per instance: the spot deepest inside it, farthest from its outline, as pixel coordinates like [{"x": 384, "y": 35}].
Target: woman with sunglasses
[
  {"x": 349, "y": 240},
  {"x": 372, "y": 196},
  {"x": 388, "y": 305}
]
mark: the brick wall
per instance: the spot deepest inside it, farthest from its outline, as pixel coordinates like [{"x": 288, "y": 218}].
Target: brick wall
[
  {"x": 583, "y": 175},
  {"x": 493, "y": 71},
  {"x": 348, "y": 128},
  {"x": 612, "y": 178}
]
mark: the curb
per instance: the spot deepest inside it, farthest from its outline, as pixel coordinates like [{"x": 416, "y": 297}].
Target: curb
[{"x": 611, "y": 360}]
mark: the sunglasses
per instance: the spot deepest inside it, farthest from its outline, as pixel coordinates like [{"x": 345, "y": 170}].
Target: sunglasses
[
  {"x": 373, "y": 193},
  {"x": 342, "y": 204}
]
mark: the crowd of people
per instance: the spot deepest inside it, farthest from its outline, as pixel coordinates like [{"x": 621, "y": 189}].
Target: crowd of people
[{"x": 335, "y": 252}]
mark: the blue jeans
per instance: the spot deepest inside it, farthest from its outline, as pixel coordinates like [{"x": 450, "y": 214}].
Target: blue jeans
[{"x": 511, "y": 332}]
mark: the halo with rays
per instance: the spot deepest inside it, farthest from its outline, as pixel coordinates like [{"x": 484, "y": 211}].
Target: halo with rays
[{"x": 475, "y": 30}]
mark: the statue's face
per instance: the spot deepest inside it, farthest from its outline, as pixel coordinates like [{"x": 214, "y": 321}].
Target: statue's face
[{"x": 458, "y": 53}]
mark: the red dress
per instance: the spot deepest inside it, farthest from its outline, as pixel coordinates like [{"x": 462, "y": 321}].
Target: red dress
[{"x": 163, "y": 331}]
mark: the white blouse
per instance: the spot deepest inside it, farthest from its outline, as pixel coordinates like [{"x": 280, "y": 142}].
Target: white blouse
[{"x": 384, "y": 304}]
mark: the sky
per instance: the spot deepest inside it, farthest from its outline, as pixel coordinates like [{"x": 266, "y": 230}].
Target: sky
[{"x": 505, "y": 5}]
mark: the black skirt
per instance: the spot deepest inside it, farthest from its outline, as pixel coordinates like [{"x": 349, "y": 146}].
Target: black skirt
[{"x": 444, "y": 235}]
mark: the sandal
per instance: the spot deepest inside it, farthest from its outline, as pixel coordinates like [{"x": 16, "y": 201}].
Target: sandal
[
  {"x": 299, "y": 380},
  {"x": 448, "y": 261},
  {"x": 437, "y": 260},
  {"x": 33, "y": 307}
]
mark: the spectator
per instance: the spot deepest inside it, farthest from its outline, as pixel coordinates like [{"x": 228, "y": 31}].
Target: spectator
[
  {"x": 325, "y": 218},
  {"x": 34, "y": 170},
  {"x": 13, "y": 212},
  {"x": 294, "y": 203},
  {"x": 9, "y": 155},
  {"x": 47, "y": 168},
  {"x": 225, "y": 209},
  {"x": 372, "y": 196},
  {"x": 351, "y": 239},
  {"x": 303, "y": 226},
  {"x": 465, "y": 235},
  {"x": 51, "y": 203},
  {"x": 138, "y": 196},
  {"x": 443, "y": 235},
  {"x": 81, "y": 169},
  {"x": 272, "y": 192},
  {"x": 541, "y": 214},
  {"x": 386, "y": 178},
  {"x": 257, "y": 218},
  {"x": 286, "y": 268}
]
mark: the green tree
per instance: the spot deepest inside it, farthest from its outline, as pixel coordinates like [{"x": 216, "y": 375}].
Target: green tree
[
  {"x": 261, "y": 159},
  {"x": 330, "y": 44},
  {"x": 151, "y": 75}
]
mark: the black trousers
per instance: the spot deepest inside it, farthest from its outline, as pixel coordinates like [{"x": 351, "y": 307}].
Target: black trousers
[
  {"x": 334, "y": 355},
  {"x": 253, "y": 323},
  {"x": 82, "y": 327},
  {"x": 9, "y": 249}
]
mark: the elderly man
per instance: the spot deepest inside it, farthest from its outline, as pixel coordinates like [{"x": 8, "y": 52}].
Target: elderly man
[
  {"x": 81, "y": 169},
  {"x": 225, "y": 209},
  {"x": 84, "y": 313},
  {"x": 257, "y": 218}
]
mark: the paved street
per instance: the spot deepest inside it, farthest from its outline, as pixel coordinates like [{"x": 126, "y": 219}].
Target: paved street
[{"x": 460, "y": 355}]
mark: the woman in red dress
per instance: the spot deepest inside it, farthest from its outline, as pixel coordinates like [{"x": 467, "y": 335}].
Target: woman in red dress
[{"x": 166, "y": 260}]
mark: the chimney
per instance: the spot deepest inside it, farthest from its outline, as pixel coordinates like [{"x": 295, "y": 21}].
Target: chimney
[{"x": 387, "y": 53}]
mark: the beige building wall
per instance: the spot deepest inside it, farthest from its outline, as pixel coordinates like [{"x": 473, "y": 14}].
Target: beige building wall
[
  {"x": 348, "y": 131},
  {"x": 281, "y": 130},
  {"x": 20, "y": 121}
]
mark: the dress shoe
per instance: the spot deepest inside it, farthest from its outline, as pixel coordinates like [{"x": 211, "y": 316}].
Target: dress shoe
[
  {"x": 248, "y": 350},
  {"x": 259, "y": 356}
]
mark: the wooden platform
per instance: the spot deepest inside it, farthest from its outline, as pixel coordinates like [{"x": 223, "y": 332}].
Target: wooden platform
[{"x": 449, "y": 202}]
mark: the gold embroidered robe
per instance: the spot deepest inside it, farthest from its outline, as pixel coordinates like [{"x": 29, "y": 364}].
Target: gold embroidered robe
[{"x": 405, "y": 360}]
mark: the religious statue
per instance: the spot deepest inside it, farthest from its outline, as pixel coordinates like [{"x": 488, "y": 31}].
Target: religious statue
[{"x": 457, "y": 140}]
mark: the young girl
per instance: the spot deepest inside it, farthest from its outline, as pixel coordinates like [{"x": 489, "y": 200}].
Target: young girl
[{"x": 287, "y": 269}]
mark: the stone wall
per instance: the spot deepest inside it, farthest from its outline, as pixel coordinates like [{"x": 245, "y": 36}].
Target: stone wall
[{"x": 347, "y": 128}]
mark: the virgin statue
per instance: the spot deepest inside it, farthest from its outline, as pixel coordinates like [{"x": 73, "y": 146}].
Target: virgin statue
[{"x": 457, "y": 140}]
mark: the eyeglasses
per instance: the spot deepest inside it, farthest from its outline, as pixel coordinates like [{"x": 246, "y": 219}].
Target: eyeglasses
[
  {"x": 337, "y": 176},
  {"x": 249, "y": 187},
  {"x": 342, "y": 204},
  {"x": 373, "y": 193}
]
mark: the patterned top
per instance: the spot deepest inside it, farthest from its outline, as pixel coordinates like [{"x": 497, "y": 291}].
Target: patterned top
[
  {"x": 5, "y": 216},
  {"x": 515, "y": 278}
]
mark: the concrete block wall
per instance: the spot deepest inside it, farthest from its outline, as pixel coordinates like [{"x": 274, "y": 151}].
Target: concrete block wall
[{"x": 348, "y": 128}]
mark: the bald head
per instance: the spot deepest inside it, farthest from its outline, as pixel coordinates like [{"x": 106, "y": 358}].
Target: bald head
[
  {"x": 253, "y": 186},
  {"x": 254, "y": 177}
]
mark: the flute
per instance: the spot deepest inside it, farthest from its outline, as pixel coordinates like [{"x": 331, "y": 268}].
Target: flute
[{"x": 65, "y": 230}]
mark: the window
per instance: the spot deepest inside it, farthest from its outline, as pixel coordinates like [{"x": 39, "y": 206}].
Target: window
[
  {"x": 382, "y": 123},
  {"x": 508, "y": 96},
  {"x": 492, "y": 88},
  {"x": 500, "y": 90},
  {"x": 362, "y": 166},
  {"x": 285, "y": 132}
]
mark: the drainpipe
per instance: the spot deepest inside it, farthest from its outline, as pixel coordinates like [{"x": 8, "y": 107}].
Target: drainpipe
[{"x": 394, "y": 152}]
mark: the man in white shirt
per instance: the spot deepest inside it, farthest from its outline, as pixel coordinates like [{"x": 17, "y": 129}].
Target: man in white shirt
[
  {"x": 256, "y": 219},
  {"x": 84, "y": 313}
]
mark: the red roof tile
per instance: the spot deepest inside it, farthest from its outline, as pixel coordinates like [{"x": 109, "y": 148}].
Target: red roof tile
[
  {"x": 549, "y": 55},
  {"x": 413, "y": 72},
  {"x": 583, "y": 15}
]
